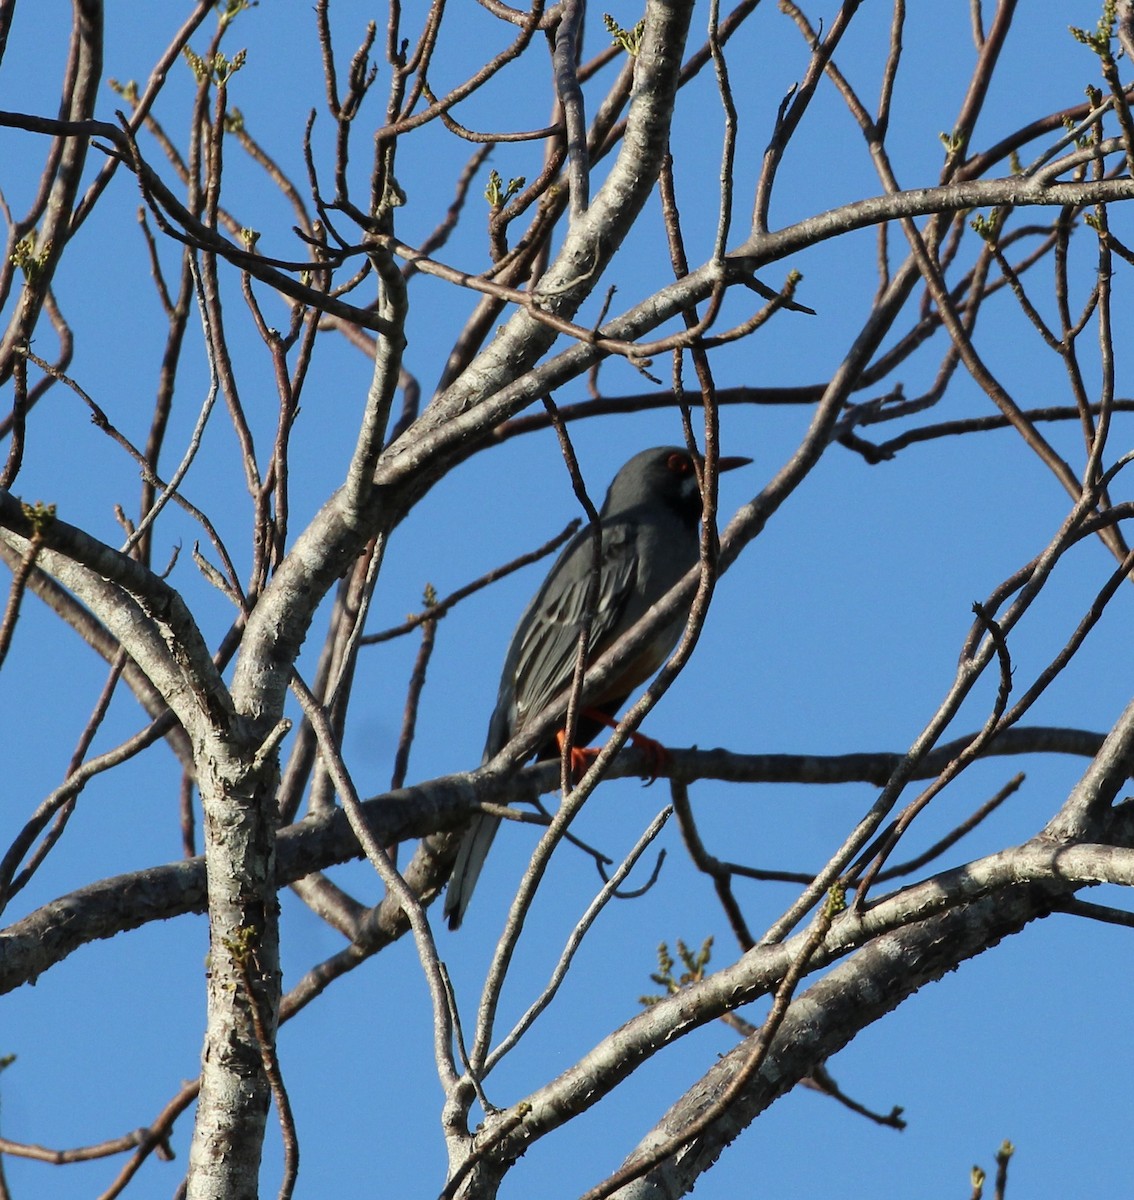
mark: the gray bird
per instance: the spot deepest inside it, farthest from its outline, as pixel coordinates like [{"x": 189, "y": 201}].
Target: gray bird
[{"x": 649, "y": 523}]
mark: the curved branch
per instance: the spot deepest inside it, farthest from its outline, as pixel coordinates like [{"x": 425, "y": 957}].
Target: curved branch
[
  {"x": 84, "y": 77},
  {"x": 905, "y": 941},
  {"x": 146, "y": 615},
  {"x": 594, "y": 235}
]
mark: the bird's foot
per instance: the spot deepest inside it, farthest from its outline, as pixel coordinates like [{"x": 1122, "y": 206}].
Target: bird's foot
[
  {"x": 581, "y": 758},
  {"x": 657, "y": 756}
]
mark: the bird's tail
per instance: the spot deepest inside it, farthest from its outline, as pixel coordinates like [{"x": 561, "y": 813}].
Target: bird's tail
[{"x": 466, "y": 871}]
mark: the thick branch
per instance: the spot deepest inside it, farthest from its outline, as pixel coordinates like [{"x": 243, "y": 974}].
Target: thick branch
[{"x": 33, "y": 945}]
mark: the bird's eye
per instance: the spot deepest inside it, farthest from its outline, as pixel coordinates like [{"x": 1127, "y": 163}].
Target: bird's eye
[{"x": 679, "y": 464}]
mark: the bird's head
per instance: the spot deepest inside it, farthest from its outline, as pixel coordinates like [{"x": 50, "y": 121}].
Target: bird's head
[{"x": 666, "y": 475}]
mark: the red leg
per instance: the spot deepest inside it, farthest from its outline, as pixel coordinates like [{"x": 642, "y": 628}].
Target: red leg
[{"x": 583, "y": 756}]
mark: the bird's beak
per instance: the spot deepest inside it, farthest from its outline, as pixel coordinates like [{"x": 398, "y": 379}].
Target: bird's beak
[{"x": 729, "y": 464}]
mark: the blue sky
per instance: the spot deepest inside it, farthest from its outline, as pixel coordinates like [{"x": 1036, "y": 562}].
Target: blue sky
[{"x": 839, "y": 630}]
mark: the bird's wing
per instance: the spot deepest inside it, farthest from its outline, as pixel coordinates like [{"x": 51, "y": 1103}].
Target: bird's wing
[
  {"x": 541, "y": 660},
  {"x": 543, "y": 652},
  {"x": 540, "y": 663}
]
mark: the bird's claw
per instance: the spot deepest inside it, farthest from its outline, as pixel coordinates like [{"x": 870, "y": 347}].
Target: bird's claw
[{"x": 657, "y": 757}]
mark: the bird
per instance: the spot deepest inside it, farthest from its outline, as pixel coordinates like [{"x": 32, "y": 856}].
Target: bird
[{"x": 649, "y": 526}]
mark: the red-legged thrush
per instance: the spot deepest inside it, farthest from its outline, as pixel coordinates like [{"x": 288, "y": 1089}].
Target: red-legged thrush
[{"x": 650, "y": 540}]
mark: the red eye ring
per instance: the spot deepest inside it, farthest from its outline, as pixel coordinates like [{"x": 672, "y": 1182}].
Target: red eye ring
[{"x": 679, "y": 464}]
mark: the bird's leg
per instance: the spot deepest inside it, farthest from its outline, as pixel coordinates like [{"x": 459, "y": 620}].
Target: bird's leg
[{"x": 583, "y": 756}]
